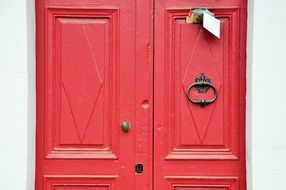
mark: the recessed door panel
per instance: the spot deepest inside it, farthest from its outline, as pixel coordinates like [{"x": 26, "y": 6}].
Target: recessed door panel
[
  {"x": 194, "y": 131},
  {"x": 74, "y": 182},
  {"x": 79, "y": 88},
  {"x": 201, "y": 183}
]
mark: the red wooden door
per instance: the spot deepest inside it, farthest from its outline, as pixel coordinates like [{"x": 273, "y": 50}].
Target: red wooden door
[
  {"x": 95, "y": 70},
  {"x": 199, "y": 147},
  {"x": 94, "y": 66}
]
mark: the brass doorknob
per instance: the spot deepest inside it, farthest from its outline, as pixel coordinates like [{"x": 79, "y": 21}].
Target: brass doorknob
[{"x": 125, "y": 126}]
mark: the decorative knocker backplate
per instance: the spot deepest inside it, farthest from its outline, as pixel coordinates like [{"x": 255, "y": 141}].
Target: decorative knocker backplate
[{"x": 202, "y": 84}]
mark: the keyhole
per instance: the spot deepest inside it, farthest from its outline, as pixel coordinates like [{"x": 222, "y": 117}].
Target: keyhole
[{"x": 139, "y": 168}]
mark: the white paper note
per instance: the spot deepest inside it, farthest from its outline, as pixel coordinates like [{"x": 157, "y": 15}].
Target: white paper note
[{"x": 212, "y": 24}]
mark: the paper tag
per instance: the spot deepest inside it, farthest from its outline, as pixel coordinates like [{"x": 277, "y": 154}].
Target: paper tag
[{"x": 212, "y": 24}]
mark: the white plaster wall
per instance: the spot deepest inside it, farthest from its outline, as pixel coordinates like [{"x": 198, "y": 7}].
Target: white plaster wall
[
  {"x": 267, "y": 95},
  {"x": 16, "y": 95}
]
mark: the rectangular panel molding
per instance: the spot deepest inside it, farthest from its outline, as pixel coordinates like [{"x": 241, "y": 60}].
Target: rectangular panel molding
[
  {"x": 201, "y": 183},
  {"x": 79, "y": 182},
  {"x": 193, "y": 131},
  {"x": 81, "y": 89}
]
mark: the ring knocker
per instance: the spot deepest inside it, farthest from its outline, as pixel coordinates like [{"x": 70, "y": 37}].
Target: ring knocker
[{"x": 202, "y": 84}]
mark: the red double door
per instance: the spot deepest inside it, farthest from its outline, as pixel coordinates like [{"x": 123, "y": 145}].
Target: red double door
[{"x": 102, "y": 65}]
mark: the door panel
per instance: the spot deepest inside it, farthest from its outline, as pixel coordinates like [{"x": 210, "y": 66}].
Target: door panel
[
  {"x": 196, "y": 132},
  {"x": 94, "y": 70},
  {"x": 199, "y": 147},
  {"x": 81, "y": 121}
]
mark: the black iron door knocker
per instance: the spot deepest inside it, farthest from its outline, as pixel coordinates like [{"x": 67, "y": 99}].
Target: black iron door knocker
[{"x": 202, "y": 84}]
